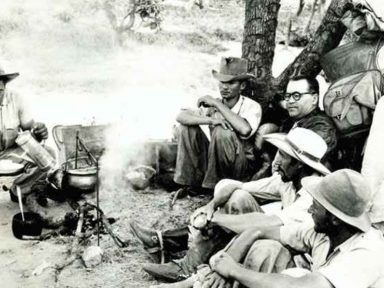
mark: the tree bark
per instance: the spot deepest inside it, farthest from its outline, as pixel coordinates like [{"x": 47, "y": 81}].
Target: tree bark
[
  {"x": 259, "y": 44},
  {"x": 326, "y": 38}
]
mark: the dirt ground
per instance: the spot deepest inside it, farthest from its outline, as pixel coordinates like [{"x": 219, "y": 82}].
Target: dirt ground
[
  {"x": 73, "y": 72},
  {"x": 31, "y": 263}
]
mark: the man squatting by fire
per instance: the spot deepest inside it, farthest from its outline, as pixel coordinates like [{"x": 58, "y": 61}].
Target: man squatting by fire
[{"x": 15, "y": 118}]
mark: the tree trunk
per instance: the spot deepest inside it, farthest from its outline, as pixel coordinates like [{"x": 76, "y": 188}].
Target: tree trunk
[
  {"x": 313, "y": 10},
  {"x": 259, "y": 44},
  {"x": 326, "y": 38}
]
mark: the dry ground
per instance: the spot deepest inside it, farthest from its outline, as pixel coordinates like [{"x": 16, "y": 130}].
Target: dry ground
[
  {"x": 74, "y": 72},
  {"x": 121, "y": 267}
]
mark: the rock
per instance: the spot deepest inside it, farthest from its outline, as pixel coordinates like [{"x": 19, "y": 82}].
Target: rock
[
  {"x": 39, "y": 269},
  {"x": 92, "y": 256}
]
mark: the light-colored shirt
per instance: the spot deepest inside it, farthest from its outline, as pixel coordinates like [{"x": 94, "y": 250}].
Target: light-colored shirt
[
  {"x": 356, "y": 263},
  {"x": 297, "y": 212},
  {"x": 272, "y": 188},
  {"x": 245, "y": 107},
  {"x": 373, "y": 164},
  {"x": 13, "y": 115}
]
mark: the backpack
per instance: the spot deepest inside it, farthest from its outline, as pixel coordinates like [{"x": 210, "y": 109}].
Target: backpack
[{"x": 357, "y": 84}]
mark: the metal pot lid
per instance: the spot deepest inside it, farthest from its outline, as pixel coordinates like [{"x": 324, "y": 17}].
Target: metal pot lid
[{"x": 83, "y": 171}]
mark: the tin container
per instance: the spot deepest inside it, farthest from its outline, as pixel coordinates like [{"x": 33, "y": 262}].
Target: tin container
[{"x": 36, "y": 151}]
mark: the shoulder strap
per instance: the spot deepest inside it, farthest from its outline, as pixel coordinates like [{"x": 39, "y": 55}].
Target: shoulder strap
[{"x": 372, "y": 63}]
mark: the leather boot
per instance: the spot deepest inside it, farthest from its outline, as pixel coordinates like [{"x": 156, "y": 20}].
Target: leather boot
[
  {"x": 174, "y": 240},
  {"x": 202, "y": 247}
]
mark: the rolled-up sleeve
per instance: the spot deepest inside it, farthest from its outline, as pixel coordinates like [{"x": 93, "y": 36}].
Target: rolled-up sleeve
[{"x": 251, "y": 111}]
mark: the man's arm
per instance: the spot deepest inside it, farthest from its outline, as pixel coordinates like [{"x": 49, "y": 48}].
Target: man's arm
[
  {"x": 252, "y": 279},
  {"x": 226, "y": 264},
  {"x": 223, "y": 191},
  {"x": 240, "y": 223},
  {"x": 191, "y": 118},
  {"x": 240, "y": 245},
  {"x": 239, "y": 124}
]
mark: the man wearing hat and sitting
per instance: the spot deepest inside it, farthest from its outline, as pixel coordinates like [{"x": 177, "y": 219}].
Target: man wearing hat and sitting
[
  {"x": 346, "y": 250},
  {"x": 14, "y": 118},
  {"x": 232, "y": 120},
  {"x": 301, "y": 97},
  {"x": 299, "y": 154}
]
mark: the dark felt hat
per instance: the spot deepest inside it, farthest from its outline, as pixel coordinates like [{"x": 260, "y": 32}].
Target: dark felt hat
[
  {"x": 232, "y": 68},
  {"x": 6, "y": 77}
]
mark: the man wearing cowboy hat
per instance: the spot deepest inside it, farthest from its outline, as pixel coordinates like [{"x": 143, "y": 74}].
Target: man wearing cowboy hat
[
  {"x": 346, "y": 250},
  {"x": 299, "y": 152},
  {"x": 14, "y": 118},
  {"x": 301, "y": 97},
  {"x": 233, "y": 120}
]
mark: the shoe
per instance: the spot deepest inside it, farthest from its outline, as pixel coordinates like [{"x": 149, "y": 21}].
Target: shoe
[
  {"x": 152, "y": 240},
  {"x": 147, "y": 236},
  {"x": 170, "y": 272}
]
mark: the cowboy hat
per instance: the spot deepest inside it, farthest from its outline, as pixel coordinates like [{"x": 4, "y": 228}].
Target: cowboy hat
[
  {"x": 7, "y": 77},
  {"x": 231, "y": 69},
  {"x": 303, "y": 145},
  {"x": 344, "y": 193}
]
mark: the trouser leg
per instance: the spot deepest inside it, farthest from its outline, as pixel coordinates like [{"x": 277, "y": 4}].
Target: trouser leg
[
  {"x": 226, "y": 158},
  {"x": 192, "y": 152},
  {"x": 241, "y": 202},
  {"x": 268, "y": 256},
  {"x": 204, "y": 245},
  {"x": 28, "y": 176},
  {"x": 176, "y": 239}
]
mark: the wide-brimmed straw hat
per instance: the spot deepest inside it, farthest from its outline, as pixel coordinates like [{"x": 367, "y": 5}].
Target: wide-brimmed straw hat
[
  {"x": 344, "y": 193},
  {"x": 231, "y": 69},
  {"x": 302, "y": 144},
  {"x": 6, "y": 77}
]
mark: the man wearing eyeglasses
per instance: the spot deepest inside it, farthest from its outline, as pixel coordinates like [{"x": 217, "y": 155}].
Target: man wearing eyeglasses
[{"x": 302, "y": 103}]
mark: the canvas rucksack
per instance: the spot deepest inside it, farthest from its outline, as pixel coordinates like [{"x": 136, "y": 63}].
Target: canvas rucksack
[{"x": 357, "y": 84}]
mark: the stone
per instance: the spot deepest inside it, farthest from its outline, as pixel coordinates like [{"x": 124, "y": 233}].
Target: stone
[{"x": 92, "y": 256}]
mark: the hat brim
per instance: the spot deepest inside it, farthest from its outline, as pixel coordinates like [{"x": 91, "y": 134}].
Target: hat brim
[
  {"x": 227, "y": 78},
  {"x": 312, "y": 184},
  {"x": 278, "y": 140},
  {"x": 8, "y": 77}
]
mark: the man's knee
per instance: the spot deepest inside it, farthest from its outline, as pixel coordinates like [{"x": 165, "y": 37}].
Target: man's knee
[
  {"x": 221, "y": 134},
  {"x": 240, "y": 202},
  {"x": 268, "y": 256},
  {"x": 187, "y": 129},
  {"x": 226, "y": 186}
]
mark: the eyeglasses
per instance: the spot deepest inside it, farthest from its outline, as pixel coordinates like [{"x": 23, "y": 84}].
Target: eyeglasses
[{"x": 295, "y": 95}]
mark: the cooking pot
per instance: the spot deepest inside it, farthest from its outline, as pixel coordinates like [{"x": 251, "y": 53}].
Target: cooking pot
[
  {"x": 82, "y": 179},
  {"x": 32, "y": 226}
]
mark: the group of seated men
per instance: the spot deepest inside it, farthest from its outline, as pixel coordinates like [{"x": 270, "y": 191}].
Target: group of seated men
[{"x": 317, "y": 228}]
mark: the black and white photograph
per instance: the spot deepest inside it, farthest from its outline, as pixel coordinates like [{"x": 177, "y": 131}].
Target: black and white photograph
[{"x": 192, "y": 143}]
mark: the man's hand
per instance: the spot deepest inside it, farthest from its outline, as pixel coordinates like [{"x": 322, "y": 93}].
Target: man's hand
[
  {"x": 215, "y": 280},
  {"x": 207, "y": 101},
  {"x": 40, "y": 131},
  {"x": 223, "y": 123},
  {"x": 200, "y": 218},
  {"x": 222, "y": 263}
]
